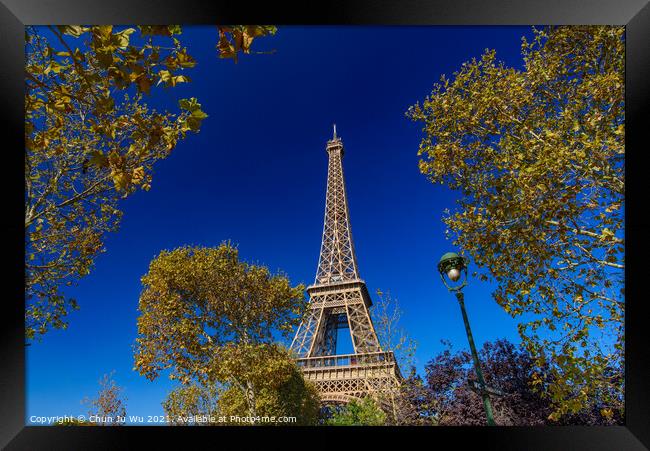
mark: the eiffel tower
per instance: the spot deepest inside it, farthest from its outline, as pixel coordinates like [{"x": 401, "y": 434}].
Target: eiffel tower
[{"x": 339, "y": 299}]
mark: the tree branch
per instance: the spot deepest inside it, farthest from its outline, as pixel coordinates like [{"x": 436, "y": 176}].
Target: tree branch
[{"x": 584, "y": 232}]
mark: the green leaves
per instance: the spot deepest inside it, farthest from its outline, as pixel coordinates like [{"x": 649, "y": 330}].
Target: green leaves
[{"x": 365, "y": 412}]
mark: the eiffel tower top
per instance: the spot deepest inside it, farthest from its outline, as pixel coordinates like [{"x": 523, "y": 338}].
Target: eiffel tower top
[
  {"x": 335, "y": 142},
  {"x": 337, "y": 261}
]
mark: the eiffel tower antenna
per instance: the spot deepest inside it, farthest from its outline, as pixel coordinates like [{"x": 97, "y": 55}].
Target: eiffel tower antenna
[{"x": 339, "y": 299}]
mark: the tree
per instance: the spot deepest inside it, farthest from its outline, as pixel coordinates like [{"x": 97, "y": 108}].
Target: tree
[
  {"x": 537, "y": 154},
  {"x": 451, "y": 380},
  {"x": 365, "y": 412},
  {"x": 280, "y": 390},
  {"x": 91, "y": 139},
  {"x": 415, "y": 407},
  {"x": 208, "y": 317},
  {"x": 386, "y": 315},
  {"x": 187, "y": 402},
  {"x": 109, "y": 407},
  {"x": 451, "y": 396}
]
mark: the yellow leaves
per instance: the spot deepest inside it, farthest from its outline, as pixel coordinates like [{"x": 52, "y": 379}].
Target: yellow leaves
[
  {"x": 122, "y": 38},
  {"x": 165, "y": 77},
  {"x": 88, "y": 143},
  {"x": 169, "y": 79},
  {"x": 606, "y": 234},
  {"x": 73, "y": 30},
  {"x": 98, "y": 159},
  {"x": 160, "y": 30},
  {"x": 103, "y": 31},
  {"x": 60, "y": 100},
  {"x": 41, "y": 141},
  {"x": 225, "y": 47},
  {"x": 535, "y": 157},
  {"x": 187, "y": 289},
  {"x": 120, "y": 179},
  {"x": 266, "y": 380},
  {"x": 233, "y": 39},
  {"x": 138, "y": 175},
  {"x": 53, "y": 67},
  {"x": 104, "y": 104},
  {"x": 180, "y": 59},
  {"x": 133, "y": 76},
  {"x": 196, "y": 115},
  {"x": 144, "y": 84},
  {"x": 620, "y": 130},
  {"x": 115, "y": 159},
  {"x": 551, "y": 134}
]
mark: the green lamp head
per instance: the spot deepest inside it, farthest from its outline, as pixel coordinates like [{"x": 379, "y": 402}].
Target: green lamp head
[{"x": 453, "y": 265}]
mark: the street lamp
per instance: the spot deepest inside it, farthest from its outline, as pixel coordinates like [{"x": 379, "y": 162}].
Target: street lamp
[{"x": 453, "y": 267}]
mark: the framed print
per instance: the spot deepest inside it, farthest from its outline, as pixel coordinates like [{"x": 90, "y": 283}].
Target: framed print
[{"x": 188, "y": 189}]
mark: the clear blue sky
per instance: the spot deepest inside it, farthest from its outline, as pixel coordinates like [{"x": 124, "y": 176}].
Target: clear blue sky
[{"x": 256, "y": 174}]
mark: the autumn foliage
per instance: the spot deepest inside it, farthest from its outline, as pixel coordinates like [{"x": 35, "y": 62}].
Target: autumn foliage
[
  {"x": 108, "y": 407},
  {"x": 91, "y": 139},
  {"x": 537, "y": 154},
  {"x": 448, "y": 395},
  {"x": 208, "y": 318}
]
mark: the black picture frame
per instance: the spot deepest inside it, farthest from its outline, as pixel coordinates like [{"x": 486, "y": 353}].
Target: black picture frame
[{"x": 634, "y": 14}]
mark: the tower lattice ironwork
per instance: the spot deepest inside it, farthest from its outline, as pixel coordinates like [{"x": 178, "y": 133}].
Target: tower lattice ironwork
[{"x": 339, "y": 299}]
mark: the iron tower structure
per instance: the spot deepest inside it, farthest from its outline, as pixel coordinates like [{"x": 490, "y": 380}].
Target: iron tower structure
[{"x": 339, "y": 299}]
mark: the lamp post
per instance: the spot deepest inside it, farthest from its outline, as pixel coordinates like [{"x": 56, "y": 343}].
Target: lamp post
[{"x": 454, "y": 267}]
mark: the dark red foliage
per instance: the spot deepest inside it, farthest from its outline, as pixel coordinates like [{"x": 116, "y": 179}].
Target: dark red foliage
[{"x": 448, "y": 396}]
